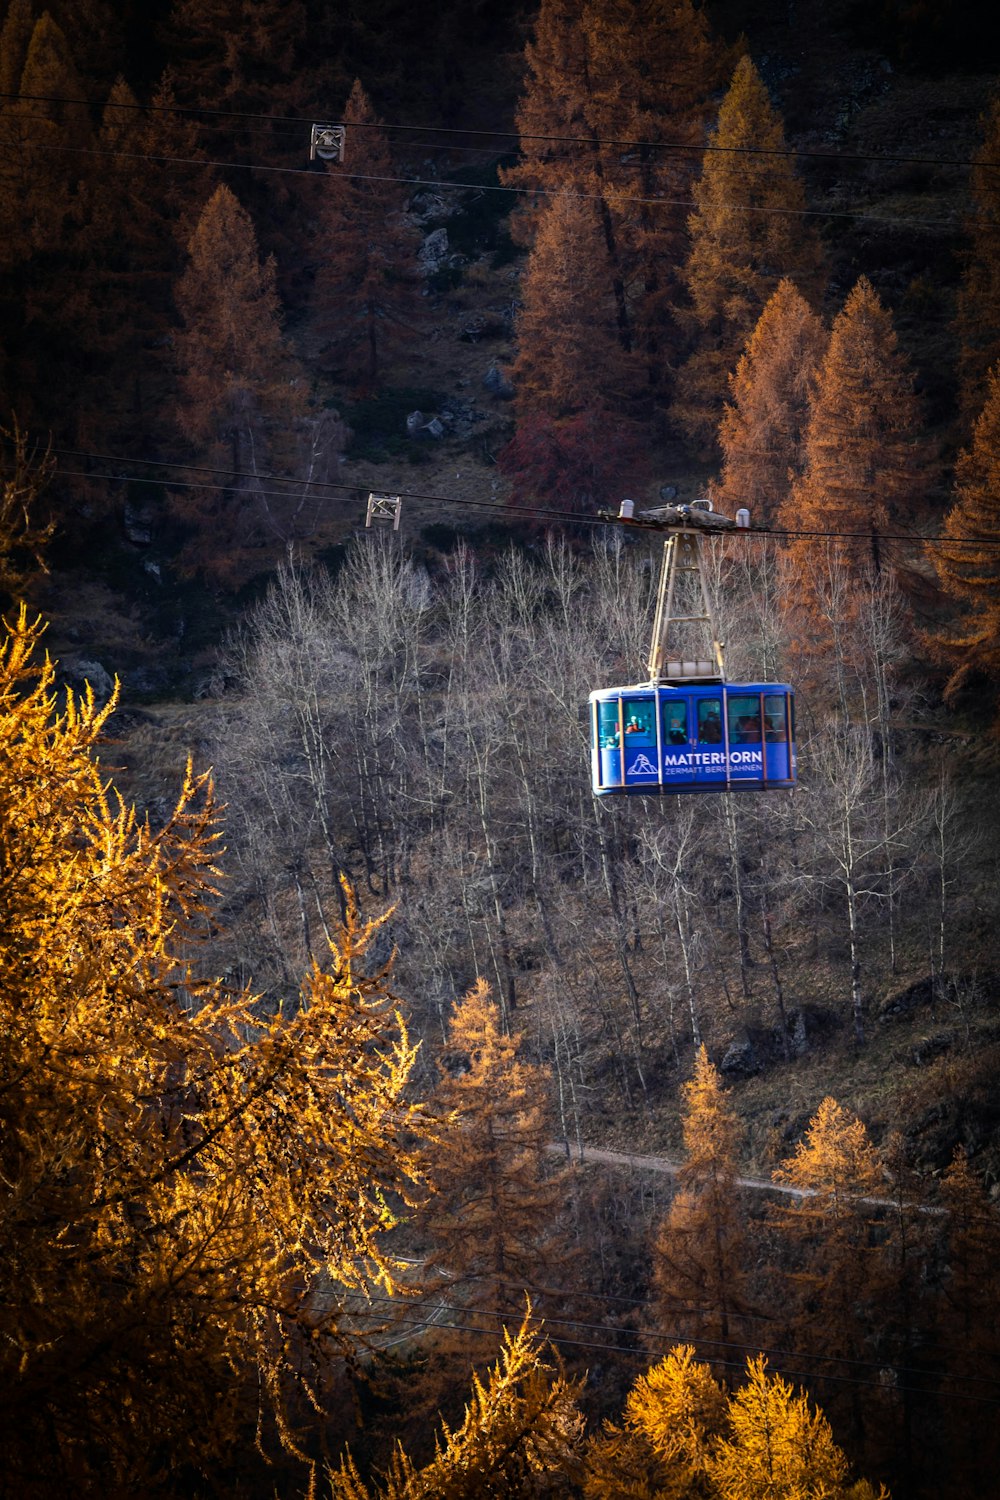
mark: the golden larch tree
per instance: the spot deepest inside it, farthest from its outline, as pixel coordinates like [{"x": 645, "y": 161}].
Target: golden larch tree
[
  {"x": 978, "y": 303},
  {"x": 778, "y": 1446},
  {"x": 24, "y": 537},
  {"x": 865, "y": 467},
  {"x": 241, "y": 396},
  {"x": 366, "y": 293},
  {"x": 38, "y": 181},
  {"x": 496, "y": 1215},
  {"x": 599, "y": 74},
  {"x": 748, "y": 231},
  {"x": 191, "y": 1185},
  {"x": 968, "y": 1337},
  {"x": 673, "y": 1415},
  {"x": 521, "y": 1437},
  {"x": 569, "y": 358},
  {"x": 834, "y": 1264},
  {"x": 968, "y": 561},
  {"x": 700, "y": 1250},
  {"x": 763, "y": 424},
  {"x": 15, "y": 35},
  {"x": 684, "y": 1437},
  {"x": 230, "y": 348}
]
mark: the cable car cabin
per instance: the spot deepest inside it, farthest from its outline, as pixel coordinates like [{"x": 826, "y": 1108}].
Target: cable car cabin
[{"x": 693, "y": 737}]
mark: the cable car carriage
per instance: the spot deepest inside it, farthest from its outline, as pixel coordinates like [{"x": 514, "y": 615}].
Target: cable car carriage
[{"x": 687, "y": 729}]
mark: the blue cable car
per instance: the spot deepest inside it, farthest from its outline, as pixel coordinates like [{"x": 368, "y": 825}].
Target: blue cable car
[
  {"x": 687, "y": 729},
  {"x": 708, "y": 737}
]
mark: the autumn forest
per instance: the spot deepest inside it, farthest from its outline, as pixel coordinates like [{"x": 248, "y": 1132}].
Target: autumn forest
[{"x": 383, "y": 1115}]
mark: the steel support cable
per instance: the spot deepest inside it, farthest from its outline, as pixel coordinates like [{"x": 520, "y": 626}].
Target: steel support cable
[
  {"x": 632, "y": 1352},
  {"x": 515, "y": 512},
  {"x": 957, "y": 222},
  {"x": 198, "y": 111},
  {"x": 732, "y": 1345}
]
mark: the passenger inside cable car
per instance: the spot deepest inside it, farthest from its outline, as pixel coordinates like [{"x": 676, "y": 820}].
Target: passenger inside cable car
[{"x": 675, "y": 723}]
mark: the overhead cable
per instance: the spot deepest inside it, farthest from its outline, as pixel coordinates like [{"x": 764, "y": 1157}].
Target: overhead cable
[
  {"x": 618, "y": 143},
  {"x": 515, "y": 512}
]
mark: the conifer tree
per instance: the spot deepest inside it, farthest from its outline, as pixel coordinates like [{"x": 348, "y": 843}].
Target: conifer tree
[
  {"x": 683, "y": 1437},
  {"x": 763, "y": 424},
  {"x": 748, "y": 231},
  {"x": 38, "y": 182},
  {"x": 978, "y": 307},
  {"x": 836, "y": 1164},
  {"x": 566, "y": 322},
  {"x": 23, "y": 537},
  {"x": 836, "y": 1268},
  {"x": 778, "y": 1447},
  {"x": 968, "y": 1341},
  {"x": 521, "y": 1437},
  {"x": 654, "y": 69},
  {"x": 366, "y": 295},
  {"x": 189, "y": 1185},
  {"x": 495, "y": 1217},
  {"x": 15, "y": 36},
  {"x": 865, "y": 466},
  {"x": 673, "y": 1416},
  {"x": 243, "y": 56},
  {"x": 968, "y": 562},
  {"x": 117, "y": 308},
  {"x": 698, "y": 1259},
  {"x": 241, "y": 397},
  {"x": 616, "y": 70}
]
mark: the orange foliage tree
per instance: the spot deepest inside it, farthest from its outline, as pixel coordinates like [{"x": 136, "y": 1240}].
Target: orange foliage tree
[
  {"x": 684, "y": 1435},
  {"x": 241, "y": 396},
  {"x": 495, "y": 1219},
  {"x": 968, "y": 562},
  {"x": 569, "y": 358},
  {"x": 37, "y": 179},
  {"x": 865, "y": 465},
  {"x": 698, "y": 1261},
  {"x": 763, "y": 425},
  {"x": 136, "y": 219},
  {"x": 597, "y": 75},
  {"x": 835, "y": 1257},
  {"x": 968, "y": 1348},
  {"x": 366, "y": 293},
  {"x": 748, "y": 231},
  {"x": 978, "y": 305},
  {"x": 190, "y": 1185},
  {"x": 23, "y": 538},
  {"x": 673, "y": 1414},
  {"x": 521, "y": 1436}
]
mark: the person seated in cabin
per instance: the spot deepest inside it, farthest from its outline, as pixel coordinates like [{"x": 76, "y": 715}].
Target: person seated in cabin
[
  {"x": 748, "y": 730},
  {"x": 632, "y": 726},
  {"x": 676, "y": 730},
  {"x": 710, "y": 729}
]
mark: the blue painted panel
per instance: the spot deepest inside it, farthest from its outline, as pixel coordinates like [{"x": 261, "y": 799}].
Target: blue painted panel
[{"x": 675, "y": 739}]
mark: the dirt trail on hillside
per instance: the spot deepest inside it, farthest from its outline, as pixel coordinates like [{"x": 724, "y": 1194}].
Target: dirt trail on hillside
[{"x": 667, "y": 1168}]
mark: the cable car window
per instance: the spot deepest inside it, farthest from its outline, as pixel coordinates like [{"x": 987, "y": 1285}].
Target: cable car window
[
  {"x": 607, "y": 725},
  {"x": 744, "y": 719},
  {"x": 675, "y": 730},
  {"x": 709, "y": 722},
  {"x": 774, "y": 718},
  {"x": 640, "y": 728}
]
